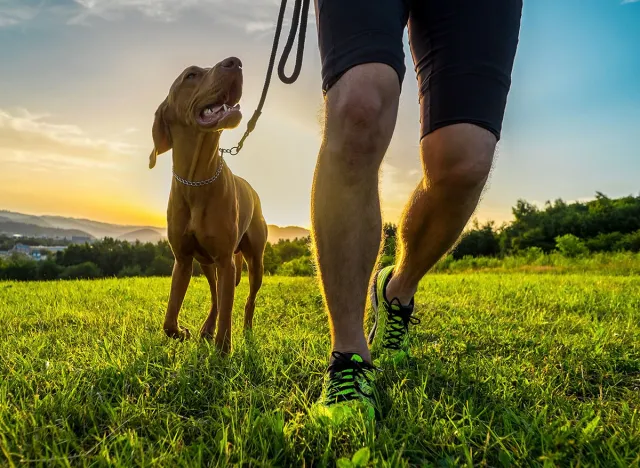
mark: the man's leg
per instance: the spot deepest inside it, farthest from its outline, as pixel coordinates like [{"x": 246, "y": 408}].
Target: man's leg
[
  {"x": 456, "y": 160},
  {"x": 464, "y": 52},
  {"x": 361, "y": 111}
]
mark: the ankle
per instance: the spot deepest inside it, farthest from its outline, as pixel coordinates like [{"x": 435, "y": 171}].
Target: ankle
[
  {"x": 363, "y": 352},
  {"x": 397, "y": 289}
]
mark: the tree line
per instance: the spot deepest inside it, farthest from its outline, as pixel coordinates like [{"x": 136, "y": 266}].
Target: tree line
[
  {"x": 571, "y": 229},
  {"x": 117, "y": 258}
]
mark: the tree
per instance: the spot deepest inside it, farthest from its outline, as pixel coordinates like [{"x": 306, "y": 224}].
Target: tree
[
  {"x": 20, "y": 268},
  {"x": 271, "y": 260},
  {"x": 160, "y": 266},
  {"x": 571, "y": 246},
  {"x": 49, "y": 270},
  {"x": 86, "y": 270},
  {"x": 481, "y": 241}
]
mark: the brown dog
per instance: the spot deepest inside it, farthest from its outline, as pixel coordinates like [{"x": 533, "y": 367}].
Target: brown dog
[{"x": 213, "y": 216}]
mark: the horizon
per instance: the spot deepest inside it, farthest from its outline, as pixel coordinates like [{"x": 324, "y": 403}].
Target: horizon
[
  {"x": 86, "y": 77},
  {"x": 538, "y": 204}
]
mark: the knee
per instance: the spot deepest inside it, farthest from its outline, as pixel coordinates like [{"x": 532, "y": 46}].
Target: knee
[
  {"x": 458, "y": 156},
  {"x": 360, "y": 119}
]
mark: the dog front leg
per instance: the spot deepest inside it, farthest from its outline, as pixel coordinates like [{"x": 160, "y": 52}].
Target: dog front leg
[
  {"x": 226, "y": 294},
  {"x": 179, "y": 283}
]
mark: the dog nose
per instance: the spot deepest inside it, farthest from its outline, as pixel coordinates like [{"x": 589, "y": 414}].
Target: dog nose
[{"x": 231, "y": 62}]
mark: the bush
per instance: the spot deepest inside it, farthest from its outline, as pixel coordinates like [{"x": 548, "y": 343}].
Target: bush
[
  {"x": 604, "y": 242},
  {"x": 49, "y": 270},
  {"x": 571, "y": 246},
  {"x": 532, "y": 254},
  {"x": 130, "y": 271},
  {"x": 86, "y": 270},
  {"x": 160, "y": 266},
  {"x": 20, "y": 268},
  {"x": 478, "y": 242},
  {"x": 271, "y": 260},
  {"x": 302, "y": 266},
  {"x": 630, "y": 242}
]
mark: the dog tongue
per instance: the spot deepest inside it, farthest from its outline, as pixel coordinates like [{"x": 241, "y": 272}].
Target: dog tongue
[{"x": 211, "y": 114}]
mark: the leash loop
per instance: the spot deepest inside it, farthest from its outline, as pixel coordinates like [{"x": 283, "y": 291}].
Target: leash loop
[{"x": 298, "y": 25}]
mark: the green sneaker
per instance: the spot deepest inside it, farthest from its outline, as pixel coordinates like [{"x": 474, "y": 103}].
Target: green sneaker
[
  {"x": 389, "y": 337},
  {"x": 348, "y": 389}
]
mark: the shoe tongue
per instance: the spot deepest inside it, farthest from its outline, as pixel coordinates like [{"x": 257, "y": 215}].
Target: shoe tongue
[
  {"x": 357, "y": 358},
  {"x": 396, "y": 305}
]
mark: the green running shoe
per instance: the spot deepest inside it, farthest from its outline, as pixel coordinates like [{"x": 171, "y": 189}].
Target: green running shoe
[
  {"x": 348, "y": 389},
  {"x": 389, "y": 337}
]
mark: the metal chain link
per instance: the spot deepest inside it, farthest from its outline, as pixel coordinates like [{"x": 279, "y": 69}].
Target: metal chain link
[{"x": 200, "y": 183}]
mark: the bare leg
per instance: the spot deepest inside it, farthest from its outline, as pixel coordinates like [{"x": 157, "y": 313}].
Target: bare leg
[
  {"x": 180, "y": 279},
  {"x": 227, "y": 288},
  {"x": 456, "y": 160},
  {"x": 361, "y": 111},
  {"x": 209, "y": 327}
]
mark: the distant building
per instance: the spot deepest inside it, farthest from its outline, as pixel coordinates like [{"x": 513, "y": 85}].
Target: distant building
[
  {"x": 35, "y": 251},
  {"x": 22, "y": 249}
]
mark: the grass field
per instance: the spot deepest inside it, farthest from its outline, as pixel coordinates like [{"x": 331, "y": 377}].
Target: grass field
[{"x": 511, "y": 369}]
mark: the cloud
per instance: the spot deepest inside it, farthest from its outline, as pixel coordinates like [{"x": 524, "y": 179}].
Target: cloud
[
  {"x": 11, "y": 15},
  {"x": 25, "y": 136},
  {"x": 256, "y": 17},
  {"x": 169, "y": 10},
  {"x": 629, "y": 1},
  {"x": 259, "y": 26}
]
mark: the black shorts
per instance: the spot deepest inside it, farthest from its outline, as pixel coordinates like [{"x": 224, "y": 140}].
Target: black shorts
[{"x": 463, "y": 51}]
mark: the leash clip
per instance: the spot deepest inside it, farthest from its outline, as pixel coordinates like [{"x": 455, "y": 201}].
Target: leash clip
[{"x": 299, "y": 26}]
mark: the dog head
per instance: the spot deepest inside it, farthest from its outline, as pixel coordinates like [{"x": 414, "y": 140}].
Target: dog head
[{"x": 200, "y": 99}]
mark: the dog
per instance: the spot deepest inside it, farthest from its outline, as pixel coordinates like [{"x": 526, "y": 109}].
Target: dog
[{"x": 213, "y": 216}]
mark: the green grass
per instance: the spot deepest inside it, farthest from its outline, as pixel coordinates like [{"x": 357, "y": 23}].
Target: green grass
[
  {"x": 515, "y": 369},
  {"x": 609, "y": 263}
]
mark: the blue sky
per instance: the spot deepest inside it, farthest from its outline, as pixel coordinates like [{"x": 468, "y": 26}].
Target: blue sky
[{"x": 81, "y": 80}]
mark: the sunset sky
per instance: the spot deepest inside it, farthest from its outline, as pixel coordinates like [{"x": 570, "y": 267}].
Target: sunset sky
[{"x": 81, "y": 79}]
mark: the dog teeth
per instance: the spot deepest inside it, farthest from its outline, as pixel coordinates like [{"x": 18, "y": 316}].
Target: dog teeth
[
  {"x": 225, "y": 107},
  {"x": 208, "y": 111}
]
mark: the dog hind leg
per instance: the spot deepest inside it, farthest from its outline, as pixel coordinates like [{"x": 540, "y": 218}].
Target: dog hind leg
[
  {"x": 238, "y": 261},
  {"x": 209, "y": 326}
]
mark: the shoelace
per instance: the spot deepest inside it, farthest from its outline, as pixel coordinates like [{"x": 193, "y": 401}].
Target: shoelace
[
  {"x": 345, "y": 376},
  {"x": 398, "y": 325}
]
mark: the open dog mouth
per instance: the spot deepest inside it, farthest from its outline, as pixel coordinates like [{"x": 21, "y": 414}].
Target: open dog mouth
[
  {"x": 214, "y": 113},
  {"x": 222, "y": 107}
]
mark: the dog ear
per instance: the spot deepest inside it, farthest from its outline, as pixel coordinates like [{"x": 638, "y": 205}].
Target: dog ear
[{"x": 161, "y": 134}]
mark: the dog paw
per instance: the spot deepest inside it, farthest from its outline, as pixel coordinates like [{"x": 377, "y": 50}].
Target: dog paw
[
  {"x": 180, "y": 334},
  {"x": 206, "y": 335}
]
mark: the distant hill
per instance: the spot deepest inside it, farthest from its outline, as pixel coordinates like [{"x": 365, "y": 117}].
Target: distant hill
[
  {"x": 11, "y": 228},
  {"x": 286, "y": 233},
  {"x": 60, "y": 226},
  {"x": 142, "y": 235},
  {"x": 95, "y": 229}
]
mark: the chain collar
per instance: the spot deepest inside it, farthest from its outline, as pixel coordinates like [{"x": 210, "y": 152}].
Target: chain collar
[{"x": 200, "y": 183}]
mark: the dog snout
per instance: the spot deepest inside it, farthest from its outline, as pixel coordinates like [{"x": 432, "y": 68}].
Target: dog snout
[{"x": 231, "y": 63}]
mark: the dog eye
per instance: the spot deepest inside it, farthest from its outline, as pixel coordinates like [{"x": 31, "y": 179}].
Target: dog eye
[{"x": 190, "y": 76}]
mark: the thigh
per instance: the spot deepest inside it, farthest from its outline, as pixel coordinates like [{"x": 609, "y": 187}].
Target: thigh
[
  {"x": 463, "y": 51},
  {"x": 356, "y": 32}
]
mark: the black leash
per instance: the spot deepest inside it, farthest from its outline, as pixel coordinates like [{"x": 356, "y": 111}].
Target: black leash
[{"x": 298, "y": 24}]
